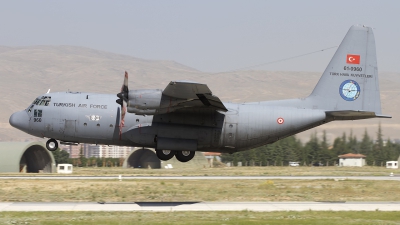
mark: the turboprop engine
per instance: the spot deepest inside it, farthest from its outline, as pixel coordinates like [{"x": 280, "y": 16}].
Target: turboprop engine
[{"x": 144, "y": 102}]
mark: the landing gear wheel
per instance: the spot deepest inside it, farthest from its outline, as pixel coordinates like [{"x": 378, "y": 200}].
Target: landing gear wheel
[
  {"x": 51, "y": 145},
  {"x": 165, "y": 154},
  {"x": 184, "y": 156}
]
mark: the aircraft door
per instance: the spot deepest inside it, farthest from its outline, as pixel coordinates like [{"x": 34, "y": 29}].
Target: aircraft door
[
  {"x": 230, "y": 128},
  {"x": 69, "y": 128},
  {"x": 54, "y": 124}
]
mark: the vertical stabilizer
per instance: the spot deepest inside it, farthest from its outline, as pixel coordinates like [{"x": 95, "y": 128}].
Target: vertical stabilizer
[{"x": 350, "y": 82}]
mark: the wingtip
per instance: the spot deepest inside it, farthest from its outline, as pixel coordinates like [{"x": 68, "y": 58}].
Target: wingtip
[{"x": 383, "y": 116}]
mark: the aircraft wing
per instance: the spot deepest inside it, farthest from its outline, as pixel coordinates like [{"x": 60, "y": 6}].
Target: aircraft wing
[{"x": 186, "y": 94}]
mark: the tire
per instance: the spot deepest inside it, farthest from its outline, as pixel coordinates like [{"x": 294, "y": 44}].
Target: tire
[
  {"x": 52, "y": 145},
  {"x": 165, "y": 155},
  {"x": 184, "y": 156}
]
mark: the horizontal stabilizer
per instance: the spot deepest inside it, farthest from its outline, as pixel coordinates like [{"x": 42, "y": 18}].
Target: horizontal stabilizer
[{"x": 353, "y": 115}]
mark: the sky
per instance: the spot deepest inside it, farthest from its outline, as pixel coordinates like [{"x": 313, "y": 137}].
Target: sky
[{"x": 210, "y": 36}]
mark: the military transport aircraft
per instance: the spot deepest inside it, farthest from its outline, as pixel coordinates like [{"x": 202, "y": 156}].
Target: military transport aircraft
[{"x": 186, "y": 117}]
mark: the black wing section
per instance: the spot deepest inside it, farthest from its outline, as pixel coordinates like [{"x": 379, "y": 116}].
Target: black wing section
[{"x": 185, "y": 94}]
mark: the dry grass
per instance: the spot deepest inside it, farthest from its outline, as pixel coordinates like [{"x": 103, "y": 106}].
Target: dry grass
[
  {"x": 204, "y": 170},
  {"x": 197, "y": 190},
  {"x": 238, "y": 218}
]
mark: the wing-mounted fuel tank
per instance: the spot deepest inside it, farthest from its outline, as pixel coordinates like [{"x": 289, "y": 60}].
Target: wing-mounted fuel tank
[{"x": 145, "y": 101}]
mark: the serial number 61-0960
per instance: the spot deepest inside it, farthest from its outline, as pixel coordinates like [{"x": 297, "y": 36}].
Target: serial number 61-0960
[{"x": 352, "y": 68}]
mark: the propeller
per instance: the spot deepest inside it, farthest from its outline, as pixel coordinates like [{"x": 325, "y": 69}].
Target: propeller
[{"x": 123, "y": 101}]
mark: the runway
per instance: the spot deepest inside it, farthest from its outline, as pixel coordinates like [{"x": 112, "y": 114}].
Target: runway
[
  {"x": 130, "y": 177},
  {"x": 199, "y": 206}
]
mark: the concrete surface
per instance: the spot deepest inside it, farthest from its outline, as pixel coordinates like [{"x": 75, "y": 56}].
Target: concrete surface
[
  {"x": 67, "y": 177},
  {"x": 199, "y": 206}
]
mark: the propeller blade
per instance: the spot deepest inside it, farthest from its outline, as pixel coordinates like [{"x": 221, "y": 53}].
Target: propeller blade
[
  {"x": 124, "y": 87},
  {"x": 123, "y": 101}
]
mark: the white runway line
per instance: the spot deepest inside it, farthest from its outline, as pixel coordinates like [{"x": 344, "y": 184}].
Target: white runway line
[
  {"x": 200, "y": 206},
  {"x": 395, "y": 178}
]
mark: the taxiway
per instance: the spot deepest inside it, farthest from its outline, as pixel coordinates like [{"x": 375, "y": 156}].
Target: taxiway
[
  {"x": 199, "y": 206},
  {"x": 130, "y": 177}
]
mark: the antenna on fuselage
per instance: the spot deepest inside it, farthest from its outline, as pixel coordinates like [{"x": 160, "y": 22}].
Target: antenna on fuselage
[{"x": 48, "y": 91}]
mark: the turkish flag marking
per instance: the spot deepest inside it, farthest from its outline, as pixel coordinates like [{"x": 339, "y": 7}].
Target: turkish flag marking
[{"x": 353, "y": 59}]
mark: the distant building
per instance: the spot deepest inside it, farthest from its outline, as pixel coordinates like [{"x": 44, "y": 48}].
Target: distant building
[
  {"x": 392, "y": 164},
  {"x": 97, "y": 151},
  {"x": 112, "y": 151},
  {"x": 64, "y": 168},
  {"x": 351, "y": 159},
  {"x": 73, "y": 150},
  {"x": 210, "y": 157}
]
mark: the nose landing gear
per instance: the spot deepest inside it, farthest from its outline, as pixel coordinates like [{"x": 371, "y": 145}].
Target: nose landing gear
[{"x": 52, "y": 144}]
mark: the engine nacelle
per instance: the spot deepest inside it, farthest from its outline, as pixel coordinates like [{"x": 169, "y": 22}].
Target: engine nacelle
[
  {"x": 144, "y": 101},
  {"x": 142, "y": 111}
]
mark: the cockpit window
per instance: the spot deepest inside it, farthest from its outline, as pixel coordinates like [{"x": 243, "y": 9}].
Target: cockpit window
[{"x": 44, "y": 100}]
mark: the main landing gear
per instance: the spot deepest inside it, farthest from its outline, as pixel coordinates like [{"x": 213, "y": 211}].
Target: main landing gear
[
  {"x": 182, "y": 156},
  {"x": 165, "y": 155},
  {"x": 52, "y": 145}
]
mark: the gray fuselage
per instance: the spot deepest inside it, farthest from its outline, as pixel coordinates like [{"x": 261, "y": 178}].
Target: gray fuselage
[
  {"x": 94, "y": 118},
  {"x": 187, "y": 117}
]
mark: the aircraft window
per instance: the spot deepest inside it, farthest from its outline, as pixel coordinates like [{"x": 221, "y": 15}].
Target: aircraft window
[
  {"x": 36, "y": 101},
  {"x": 48, "y": 100},
  {"x": 98, "y": 124},
  {"x": 111, "y": 125},
  {"x": 85, "y": 124},
  {"x": 39, "y": 113},
  {"x": 44, "y": 100},
  {"x": 35, "y": 113}
]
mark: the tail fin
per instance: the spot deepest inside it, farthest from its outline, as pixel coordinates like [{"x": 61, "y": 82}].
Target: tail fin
[{"x": 350, "y": 82}]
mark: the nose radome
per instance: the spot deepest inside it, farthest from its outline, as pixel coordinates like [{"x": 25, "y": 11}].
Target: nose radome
[{"x": 20, "y": 120}]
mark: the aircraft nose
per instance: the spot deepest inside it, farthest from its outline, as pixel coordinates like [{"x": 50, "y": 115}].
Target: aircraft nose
[{"x": 20, "y": 120}]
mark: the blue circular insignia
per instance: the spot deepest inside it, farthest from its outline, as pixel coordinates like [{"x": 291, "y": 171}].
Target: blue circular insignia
[{"x": 349, "y": 90}]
